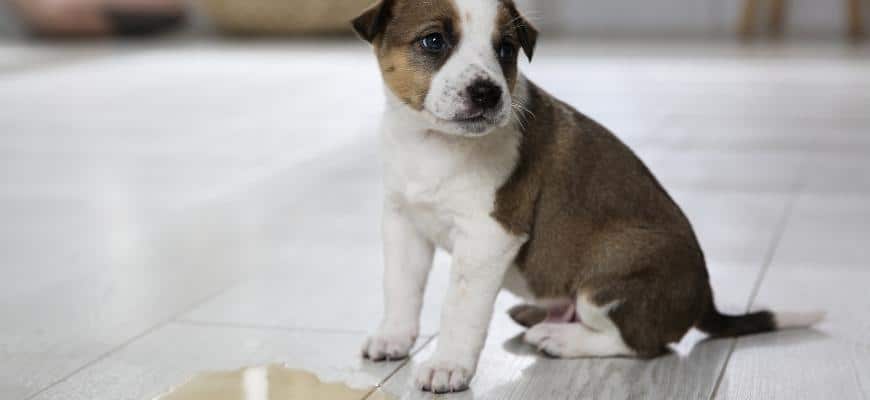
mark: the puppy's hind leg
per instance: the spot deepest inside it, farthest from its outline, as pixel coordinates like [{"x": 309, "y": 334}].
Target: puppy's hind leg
[
  {"x": 575, "y": 340},
  {"x": 594, "y": 335}
]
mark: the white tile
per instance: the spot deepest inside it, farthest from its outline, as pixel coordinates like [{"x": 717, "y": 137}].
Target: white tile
[
  {"x": 81, "y": 284},
  {"x": 827, "y": 231},
  {"x": 334, "y": 290},
  {"x": 769, "y": 133},
  {"x": 758, "y": 172},
  {"x": 231, "y": 114},
  {"x": 828, "y": 361},
  {"x": 171, "y": 355},
  {"x": 136, "y": 181},
  {"x": 733, "y": 226},
  {"x": 838, "y": 173}
]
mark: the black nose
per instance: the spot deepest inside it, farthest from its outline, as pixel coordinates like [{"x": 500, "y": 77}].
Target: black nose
[{"x": 484, "y": 94}]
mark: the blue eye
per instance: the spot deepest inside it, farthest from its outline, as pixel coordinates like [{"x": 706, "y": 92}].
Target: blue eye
[
  {"x": 434, "y": 42},
  {"x": 506, "y": 51}
]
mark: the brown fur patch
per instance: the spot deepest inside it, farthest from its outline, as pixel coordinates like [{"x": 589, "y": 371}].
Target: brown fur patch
[
  {"x": 599, "y": 224},
  {"x": 523, "y": 31},
  {"x": 406, "y": 68},
  {"x": 506, "y": 31},
  {"x": 511, "y": 27}
]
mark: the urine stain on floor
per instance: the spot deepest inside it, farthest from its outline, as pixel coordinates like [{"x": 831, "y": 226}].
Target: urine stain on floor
[{"x": 271, "y": 382}]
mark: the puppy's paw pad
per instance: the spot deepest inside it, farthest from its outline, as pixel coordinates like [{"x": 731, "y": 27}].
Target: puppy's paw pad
[
  {"x": 388, "y": 347},
  {"x": 442, "y": 377}
]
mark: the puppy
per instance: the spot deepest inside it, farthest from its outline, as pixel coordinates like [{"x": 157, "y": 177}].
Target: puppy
[{"x": 525, "y": 193}]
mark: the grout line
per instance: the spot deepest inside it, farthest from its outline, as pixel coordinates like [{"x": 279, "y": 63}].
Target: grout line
[
  {"x": 287, "y": 328},
  {"x": 399, "y": 368},
  {"x": 131, "y": 340},
  {"x": 721, "y": 374},
  {"x": 858, "y": 377},
  {"x": 768, "y": 259}
]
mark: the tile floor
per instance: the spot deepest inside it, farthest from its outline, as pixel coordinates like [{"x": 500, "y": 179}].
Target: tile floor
[{"x": 169, "y": 208}]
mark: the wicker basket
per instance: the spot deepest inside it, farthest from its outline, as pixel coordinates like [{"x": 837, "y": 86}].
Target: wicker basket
[{"x": 282, "y": 17}]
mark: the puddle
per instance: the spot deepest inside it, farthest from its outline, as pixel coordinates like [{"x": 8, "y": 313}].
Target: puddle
[{"x": 273, "y": 382}]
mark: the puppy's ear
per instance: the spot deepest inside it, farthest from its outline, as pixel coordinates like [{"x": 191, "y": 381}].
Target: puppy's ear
[
  {"x": 526, "y": 32},
  {"x": 373, "y": 20}
]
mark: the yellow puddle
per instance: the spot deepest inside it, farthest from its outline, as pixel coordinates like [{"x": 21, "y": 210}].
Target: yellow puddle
[{"x": 271, "y": 382}]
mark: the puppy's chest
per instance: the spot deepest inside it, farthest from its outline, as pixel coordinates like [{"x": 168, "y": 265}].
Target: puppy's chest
[{"x": 445, "y": 184}]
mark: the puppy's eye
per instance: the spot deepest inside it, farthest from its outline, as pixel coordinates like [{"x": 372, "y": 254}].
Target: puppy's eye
[
  {"x": 434, "y": 43},
  {"x": 506, "y": 51}
]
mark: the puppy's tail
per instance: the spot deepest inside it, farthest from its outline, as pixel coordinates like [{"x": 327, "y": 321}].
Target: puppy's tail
[{"x": 720, "y": 325}]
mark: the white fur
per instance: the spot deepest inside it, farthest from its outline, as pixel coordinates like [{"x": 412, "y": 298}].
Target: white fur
[
  {"x": 440, "y": 184},
  {"x": 474, "y": 58},
  {"x": 787, "y": 320},
  {"x": 440, "y": 191},
  {"x": 595, "y": 336}
]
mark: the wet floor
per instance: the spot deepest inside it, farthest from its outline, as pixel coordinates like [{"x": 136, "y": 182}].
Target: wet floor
[{"x": 271, "y": 382}]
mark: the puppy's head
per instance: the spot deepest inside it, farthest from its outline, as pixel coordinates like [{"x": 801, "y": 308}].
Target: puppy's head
[{"x": 454, "y": 62}]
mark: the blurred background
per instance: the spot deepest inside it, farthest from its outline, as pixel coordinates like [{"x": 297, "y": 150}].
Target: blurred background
[
  {"x": 620, "y": 18},
  {"x": 195, "y": 185}
]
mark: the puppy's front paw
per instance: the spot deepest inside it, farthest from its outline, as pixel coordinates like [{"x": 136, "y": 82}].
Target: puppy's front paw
[
  {"x": 441, "y": 376},
  {"x": 388, "y": 346}
]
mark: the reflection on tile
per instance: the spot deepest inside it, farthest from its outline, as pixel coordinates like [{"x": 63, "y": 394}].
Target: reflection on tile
[
  {"x": 113, "y": 275},
  {"x": 828, "y": 361},
  {"x": 174, "y": 353},
  {"x": 336, "y": 291}
]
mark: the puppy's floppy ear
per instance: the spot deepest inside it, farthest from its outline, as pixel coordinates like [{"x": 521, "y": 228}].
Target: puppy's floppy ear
[
  {"x": 527, "y": 34},
  {"x": 373, "y": 20}
]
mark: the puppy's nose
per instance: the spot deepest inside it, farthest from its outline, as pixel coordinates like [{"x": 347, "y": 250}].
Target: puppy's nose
[{"x": 484, "y": 93}]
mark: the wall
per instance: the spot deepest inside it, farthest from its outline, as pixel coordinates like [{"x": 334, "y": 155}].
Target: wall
[
  {"x": 703, "y": 18},
  {"x": 9, "y": 24}
]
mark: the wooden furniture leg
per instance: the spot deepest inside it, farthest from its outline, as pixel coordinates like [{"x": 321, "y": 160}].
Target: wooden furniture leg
[
  {"x": 747, "y": 20},
  {"x": 855, "y": 19},
  {"x": 777, "y": 17}
]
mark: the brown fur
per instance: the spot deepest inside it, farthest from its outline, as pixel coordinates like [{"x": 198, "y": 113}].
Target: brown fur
[
  {"x": 528, "y": 315},
  {"x": 522, "y": 31},
  {"x": 514, "y": 29},
  {"x": 507, "y": 32},
  {"x": 600, "y": 225},
  {"x": 394, "y": 27}
]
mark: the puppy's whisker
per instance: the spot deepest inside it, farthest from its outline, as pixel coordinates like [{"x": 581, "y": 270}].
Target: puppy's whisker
[
  {"x": 519, "y": 118},
  {"x": 523, "y": 109}
]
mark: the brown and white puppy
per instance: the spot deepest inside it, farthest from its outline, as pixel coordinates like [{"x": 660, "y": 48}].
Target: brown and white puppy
[{"x": 527, "y": 194}]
